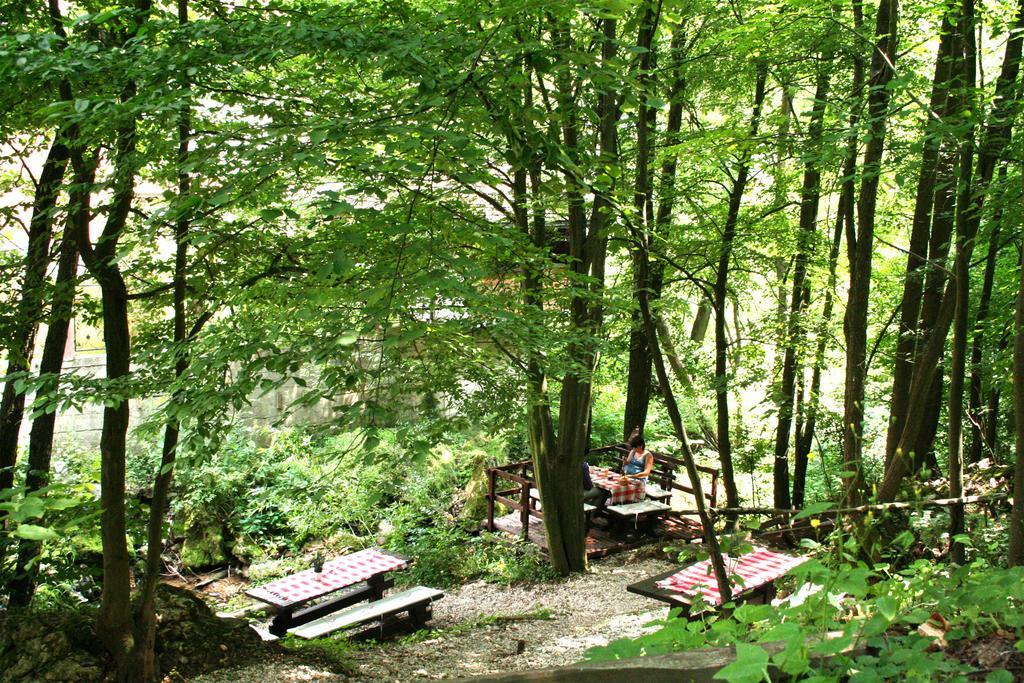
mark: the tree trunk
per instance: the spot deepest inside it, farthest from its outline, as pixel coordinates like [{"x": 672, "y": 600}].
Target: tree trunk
[
  {"x": 557, "y": 465},
  {"x": 861, "y": 247},
  {"x": 40, "y": 444},
  {"x": 913, "y": 282},
  {"x": 962, "y": 288},
  {"x": 638, "y": 379},
  {"x": 707, "y": 524},
  {"x": 805, "y": 436},
  {"x": 721, "y": 290},
  {"x": 1016, "y": 550},
  {"x": 809, "y": 198},
  {"x": 980, "y": 417},
  {"x": 114, "y": 622},
  {"x": 683, "y": 377},
  {"x": 144, "y": 662},
  {"x": 994, "y": 140},
  {"x": 30, "y": 306}
]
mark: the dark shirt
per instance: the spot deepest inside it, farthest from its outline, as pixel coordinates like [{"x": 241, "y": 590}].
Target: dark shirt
[{"x": 587, "y": 483}]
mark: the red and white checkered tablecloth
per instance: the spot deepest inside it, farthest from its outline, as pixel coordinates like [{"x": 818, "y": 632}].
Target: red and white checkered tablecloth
[
  {"x": 629, "y": 491},
  {"x": 754, "y": 569},
  {"x": 337, "y": 574}
]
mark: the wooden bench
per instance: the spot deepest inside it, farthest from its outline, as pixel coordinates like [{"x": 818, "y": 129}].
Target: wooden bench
[
  {"x": 588, "y": 509},
  {"x": 643, "y": 513},
  {"x": 416, "y": 601},
  {"x": 655, "y": 492}
]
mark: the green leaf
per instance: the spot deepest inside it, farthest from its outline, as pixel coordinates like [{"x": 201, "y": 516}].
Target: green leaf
[
  {"x": 887, "y": 607},
  {"x": 348, "y": 338},
  {"x": 999, "y": 676},
  {"x": 815, "y": 509},
  {"x": 32, "y": 532},
  {"x": 751, "y": 665},
  {"x": 221, "y": 197}
]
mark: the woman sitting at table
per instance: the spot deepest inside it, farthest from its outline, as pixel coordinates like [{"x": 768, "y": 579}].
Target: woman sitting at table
[{"x": 638, "y": 463}]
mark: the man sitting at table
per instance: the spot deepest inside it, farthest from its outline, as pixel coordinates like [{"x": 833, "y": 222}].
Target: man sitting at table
[
  {"x": 592, "y": 495},
  {"x": 638, "y": 463}
]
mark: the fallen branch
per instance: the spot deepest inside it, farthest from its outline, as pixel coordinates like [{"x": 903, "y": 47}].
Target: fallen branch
[{"x": 897, "y": 505}]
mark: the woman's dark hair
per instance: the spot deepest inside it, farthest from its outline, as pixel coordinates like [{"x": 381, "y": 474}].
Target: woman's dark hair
[{"x": 637, "y": 442}]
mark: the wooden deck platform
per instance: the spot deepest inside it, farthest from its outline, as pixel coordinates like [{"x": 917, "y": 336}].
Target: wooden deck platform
[{"x": 601, "y": 543}]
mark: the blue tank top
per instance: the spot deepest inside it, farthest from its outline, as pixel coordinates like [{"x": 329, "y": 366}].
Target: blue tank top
[{"x": 636, "y": 465}]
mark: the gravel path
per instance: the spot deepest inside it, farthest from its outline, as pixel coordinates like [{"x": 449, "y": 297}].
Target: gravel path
[{"x": 481, "y": 628}]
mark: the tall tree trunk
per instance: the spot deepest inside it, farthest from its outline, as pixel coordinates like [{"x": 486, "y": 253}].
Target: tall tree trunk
[
  {"x": 994, "y": 141},
  {"x": 638, "y": 378},
  {"x": 30, "y": 306},
  {"x": 114, "y": 621},
  {"x": 1016, "y": 550},
  {"x": 805, "y": 436},
  {"x": 961, "y": 285},
  {"x": 707, "y": 524},
  {"x": 559, "y": 477},
  {"x": 913, "y": 282},
  {"x": 40, "y": 443},
  {"x": 721, "y": 290},
  {"x": 810, "y": 194},
  {"x": 683, "y": 377},
  {"x": 144, "y": 662},
  {"x": 861, "y": 247},
  {"x": 979, "y": 416}
]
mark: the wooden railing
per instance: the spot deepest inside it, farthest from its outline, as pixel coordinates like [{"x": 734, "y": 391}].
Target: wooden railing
[
  {"x": 510, "y": 484},
  {"x": 665, "y": 468},
  {"x": 519, "y": 476}
]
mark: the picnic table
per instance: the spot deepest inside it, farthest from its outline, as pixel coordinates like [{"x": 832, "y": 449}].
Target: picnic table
[
  {"x": 622, "y": 489},
  {"x": 752, "y": 579},
  {"x": 360, "y": 576}
]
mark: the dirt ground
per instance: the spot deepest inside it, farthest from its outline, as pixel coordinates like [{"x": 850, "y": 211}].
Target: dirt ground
[{"x": 481, "y": 628}]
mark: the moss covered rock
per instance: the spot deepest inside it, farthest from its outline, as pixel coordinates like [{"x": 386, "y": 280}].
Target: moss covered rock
[
  {"x": 203, "y": 547},
  {"x": 50, "y": 646}
]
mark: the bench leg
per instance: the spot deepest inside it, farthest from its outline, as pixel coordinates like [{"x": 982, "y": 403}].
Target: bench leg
[
  {"x": 281, "y": 622},
  {"x": 420, "y": 614}
]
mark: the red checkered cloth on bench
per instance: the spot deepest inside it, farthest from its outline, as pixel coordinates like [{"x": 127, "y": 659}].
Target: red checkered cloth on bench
[
  {"x": 753, "y": 570},
  {"x": 337, "y": 574},
  {"x": 630, "y": 491}
]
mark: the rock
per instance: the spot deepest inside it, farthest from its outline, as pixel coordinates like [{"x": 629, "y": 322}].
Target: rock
[
  {"x": 49, "y": 646},
  {"x": 190, "y": 638},
  {"x": 203, "y": 547}
]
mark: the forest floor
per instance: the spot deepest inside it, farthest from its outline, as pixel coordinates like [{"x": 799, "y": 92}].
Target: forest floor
[{"x": 482, "y": 628}]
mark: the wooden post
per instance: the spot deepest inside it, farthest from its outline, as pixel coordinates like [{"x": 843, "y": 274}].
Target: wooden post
[
  {"x": 490, "y": 499},
  {"x": 524, "y": 511}
]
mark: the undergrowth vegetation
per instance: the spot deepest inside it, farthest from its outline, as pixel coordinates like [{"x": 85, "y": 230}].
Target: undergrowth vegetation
[
  {"x": 272, "y": 497},
  {"x": 849, "y": 622}
]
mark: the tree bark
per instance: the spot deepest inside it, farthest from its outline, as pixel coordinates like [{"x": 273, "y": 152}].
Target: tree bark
[
  {"x": 805, "y": 436},
  {"x": 961, "y": 285},
  {"x": 638, "y": 379},
  {"x": 721, "y": 290},
  {"x": 40, "y": 444},
  {"x": 980, "y": 417},
  {"x": 994, "y": 141},
  {"x": 30, "y": 305},
  {"x": 810, "y": 194},
  {"x": 144, "y": 661},
  {"x": 1016, "y": 549},
  {"x": 861, "y": 247},
  {"x": 913, "y": 282}
]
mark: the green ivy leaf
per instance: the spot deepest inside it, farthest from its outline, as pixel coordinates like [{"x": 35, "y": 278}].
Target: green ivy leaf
[{"x": 751, "y": 665}]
